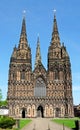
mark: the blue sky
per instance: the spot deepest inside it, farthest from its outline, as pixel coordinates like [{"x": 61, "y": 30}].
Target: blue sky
[{"x": 39, "y": 20}]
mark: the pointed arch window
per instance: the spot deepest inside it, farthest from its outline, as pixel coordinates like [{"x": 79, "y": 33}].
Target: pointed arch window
[
  {"x": 23, "y": 75},
  {"x": 12, "y": 76},
  {"x": 40, "y": 88},
  {"x": 56, "y": 74}
]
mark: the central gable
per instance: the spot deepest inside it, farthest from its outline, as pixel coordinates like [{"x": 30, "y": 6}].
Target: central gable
[{"x": 40, "y": 71}]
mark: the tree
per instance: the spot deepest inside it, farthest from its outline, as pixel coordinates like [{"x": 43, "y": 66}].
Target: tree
[
  {"x": 2, "y": 102},
  {"x": 0, "y": 96}
]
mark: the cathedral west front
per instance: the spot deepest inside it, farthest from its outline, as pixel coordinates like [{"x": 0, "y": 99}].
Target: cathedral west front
[{"x": 41, "y": 92}]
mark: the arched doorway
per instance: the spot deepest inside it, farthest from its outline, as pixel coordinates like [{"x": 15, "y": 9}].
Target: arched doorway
[
  {"x": 40, "y": 111},
  {"x": 57, "y": 112},
  {"x": 23, "y": 113}
]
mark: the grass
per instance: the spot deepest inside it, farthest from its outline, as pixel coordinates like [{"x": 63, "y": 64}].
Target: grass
[
  {"x": 69, "y": 122},
  {"x": 24, "y": 122}
]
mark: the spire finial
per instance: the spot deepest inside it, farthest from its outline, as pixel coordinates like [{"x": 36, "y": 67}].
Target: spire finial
[
  {"x": 24, "y": 13},
  {"x": 55, "y": 34},
  {"x": 38, "y": 39},
  {"x": 23, "y": 37},
  {"x": 55, "y": 28},
  {"x": 54, "y": 10}
]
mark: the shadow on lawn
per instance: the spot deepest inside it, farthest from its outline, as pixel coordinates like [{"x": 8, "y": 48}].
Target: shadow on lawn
[
  {"x": 77, "y": 125},
  {"x": 74, "y": 129}
]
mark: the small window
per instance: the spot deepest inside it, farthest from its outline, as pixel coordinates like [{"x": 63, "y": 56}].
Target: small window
[
  {"x": 22, "y": 75},
  {"x": 56, "y": 74}
]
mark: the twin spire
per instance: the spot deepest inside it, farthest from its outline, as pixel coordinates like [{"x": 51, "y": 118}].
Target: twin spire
[{"x": 23, "y": 43}]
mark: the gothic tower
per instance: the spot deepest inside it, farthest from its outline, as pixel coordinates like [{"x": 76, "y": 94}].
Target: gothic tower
[
  {"x": 40, "y": 92},
  {"x": 59, "y": 76},
  {"x": 20, "y": 71}
]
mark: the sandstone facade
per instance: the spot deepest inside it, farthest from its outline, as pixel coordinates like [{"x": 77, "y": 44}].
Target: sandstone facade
[{"x": 40, "y": 92}]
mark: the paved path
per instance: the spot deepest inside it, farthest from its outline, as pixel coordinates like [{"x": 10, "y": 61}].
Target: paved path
[{"x": 44, "y": 124}]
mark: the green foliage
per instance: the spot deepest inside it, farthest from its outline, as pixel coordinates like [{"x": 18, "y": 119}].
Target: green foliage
[
  {"x": 0, "y": 95},
  {"x": 6, "y": 122},
  {"x": 3, "y": 103}
]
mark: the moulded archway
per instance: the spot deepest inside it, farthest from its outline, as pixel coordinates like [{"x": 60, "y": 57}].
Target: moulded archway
[
  {"x": 40, "y": 111},
  {"x": 23, "y": 113},
  {"x": 57, "y": 112}
]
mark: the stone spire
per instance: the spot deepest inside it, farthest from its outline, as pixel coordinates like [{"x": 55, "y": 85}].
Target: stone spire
[
  {"x": 23, "y": 43},
  {"x": 38, "y": 54},
  {"x": 55, "y": 34}
]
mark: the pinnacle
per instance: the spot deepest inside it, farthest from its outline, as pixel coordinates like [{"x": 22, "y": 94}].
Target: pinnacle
[
  {"x": 23, "y": 31},
  {"x": 55, "y": 33},
  {"x": 23, "y": 37},
  {"x": 38, "y": 54}
]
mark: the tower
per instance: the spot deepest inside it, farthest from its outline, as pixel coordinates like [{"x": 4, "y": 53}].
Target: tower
[
  {"x": 59, "y": 76},
  {"x": 20, "y": 80},
  {"x": 40, "y": 92}
]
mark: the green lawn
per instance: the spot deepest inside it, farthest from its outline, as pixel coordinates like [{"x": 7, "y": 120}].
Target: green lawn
[
  {"x": 24, "y": 122},
  {"x": 66, "y": 122}
]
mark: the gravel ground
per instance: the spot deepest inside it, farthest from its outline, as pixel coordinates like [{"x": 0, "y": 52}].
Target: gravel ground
[{"x": 44, "y": 124}]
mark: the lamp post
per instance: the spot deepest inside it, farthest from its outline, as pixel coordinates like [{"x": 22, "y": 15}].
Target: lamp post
[{"x": 63, "y": 127}]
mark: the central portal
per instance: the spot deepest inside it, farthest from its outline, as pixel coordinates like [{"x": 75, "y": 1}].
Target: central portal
[
  {"x": 23, "y": 113},
  {"x": 40, "y": 112}
]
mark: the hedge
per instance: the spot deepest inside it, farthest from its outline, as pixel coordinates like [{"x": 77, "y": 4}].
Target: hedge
[{"x": 7, "y": 122}]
